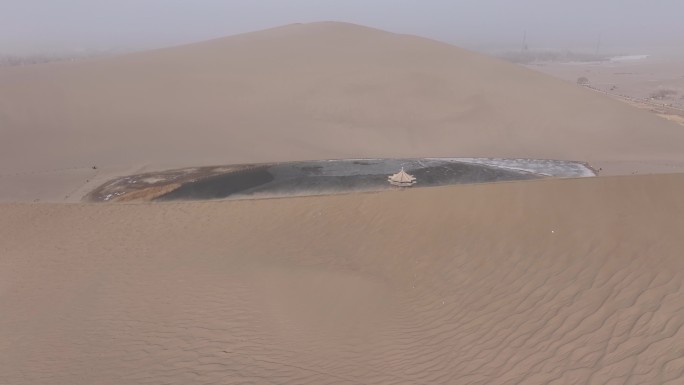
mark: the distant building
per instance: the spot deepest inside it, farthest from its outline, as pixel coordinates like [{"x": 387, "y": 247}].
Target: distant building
[{"x": 402, "y": 179}]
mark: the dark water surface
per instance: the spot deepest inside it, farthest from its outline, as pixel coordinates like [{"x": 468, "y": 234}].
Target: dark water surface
[{"x": 320, "y": 177}]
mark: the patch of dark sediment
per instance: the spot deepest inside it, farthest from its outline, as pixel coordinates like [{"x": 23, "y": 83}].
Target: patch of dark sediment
[
  {"x": 151, "y": 185},
  {"x": 325, "y": 177},
  {"x": 221, "y": 186}
]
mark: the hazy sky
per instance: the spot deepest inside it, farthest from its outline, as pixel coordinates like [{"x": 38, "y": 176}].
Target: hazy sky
[{"x": 57, "y": 25}]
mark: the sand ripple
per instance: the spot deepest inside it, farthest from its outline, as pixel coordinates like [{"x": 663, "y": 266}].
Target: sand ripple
[{"x": 545, "y": 282}]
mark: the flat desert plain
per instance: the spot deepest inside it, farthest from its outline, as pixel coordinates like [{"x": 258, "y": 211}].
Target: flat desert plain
[
  {"x": 551, "y": 281},
  {"x": 651, "y": 82}
]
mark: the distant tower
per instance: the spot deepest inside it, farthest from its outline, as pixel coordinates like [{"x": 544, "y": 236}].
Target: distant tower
[
  {"x": 524, "y": 43},
  {"x": 598, "y": 44}
]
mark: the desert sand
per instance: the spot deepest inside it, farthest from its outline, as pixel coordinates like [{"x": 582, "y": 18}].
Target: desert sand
[
  {"x": 575, "y": 281},
  {"x": 653, "y": 83},
  {"x": 554, "y": 281},
  {"x": 303, "y": 92}
]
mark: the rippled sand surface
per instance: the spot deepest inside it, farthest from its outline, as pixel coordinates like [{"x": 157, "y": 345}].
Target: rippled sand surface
[{"x": 575, "y": 281}]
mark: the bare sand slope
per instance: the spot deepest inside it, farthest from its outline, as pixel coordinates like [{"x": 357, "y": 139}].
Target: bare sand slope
[
  {"x": 639, "y": 79},
  {"x": 637, "y": 82},
  {"x": 300, "y": 92},
  {"x": 544, "y": 282}
]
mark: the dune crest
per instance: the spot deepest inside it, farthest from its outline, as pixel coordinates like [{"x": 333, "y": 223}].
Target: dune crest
[
  {"x": 549, "y": 281},
  {"x": 561, "y": 282},
  {"x": 303, "y": 92}
]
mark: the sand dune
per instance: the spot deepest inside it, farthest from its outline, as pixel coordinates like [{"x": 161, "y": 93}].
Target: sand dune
[
  {"x": 574, "y": 281},
  {"x": 309, "y": 91},
  {"x": 543, "y": 282}
]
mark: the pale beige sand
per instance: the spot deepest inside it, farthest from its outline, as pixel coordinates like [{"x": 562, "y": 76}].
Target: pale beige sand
[
  {"x": 312, "y": 91},
  {"x": 637, "y": 79},
  {"x": 675, "y": 115},
  {"x": 632, "y": 82},
  {"x": 544, "y": 282}
]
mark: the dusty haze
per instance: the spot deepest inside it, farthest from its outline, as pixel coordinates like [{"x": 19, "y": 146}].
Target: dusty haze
[
  {"x": 63, "y": 25},
  {"x": 303, "y": 92},
  {"x": 547, "y": 282}
]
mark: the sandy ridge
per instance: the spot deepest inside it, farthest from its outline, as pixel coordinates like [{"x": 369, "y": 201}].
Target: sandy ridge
[
  {"x": 304, "y": 92},
  {"x": 560, "y": 282}
]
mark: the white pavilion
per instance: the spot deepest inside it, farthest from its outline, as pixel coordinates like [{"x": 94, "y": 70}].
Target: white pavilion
[{"x": 402, "y": 179}]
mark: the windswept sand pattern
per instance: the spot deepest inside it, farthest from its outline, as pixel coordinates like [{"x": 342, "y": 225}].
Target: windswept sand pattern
[{"x": 542, "y": 282}]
